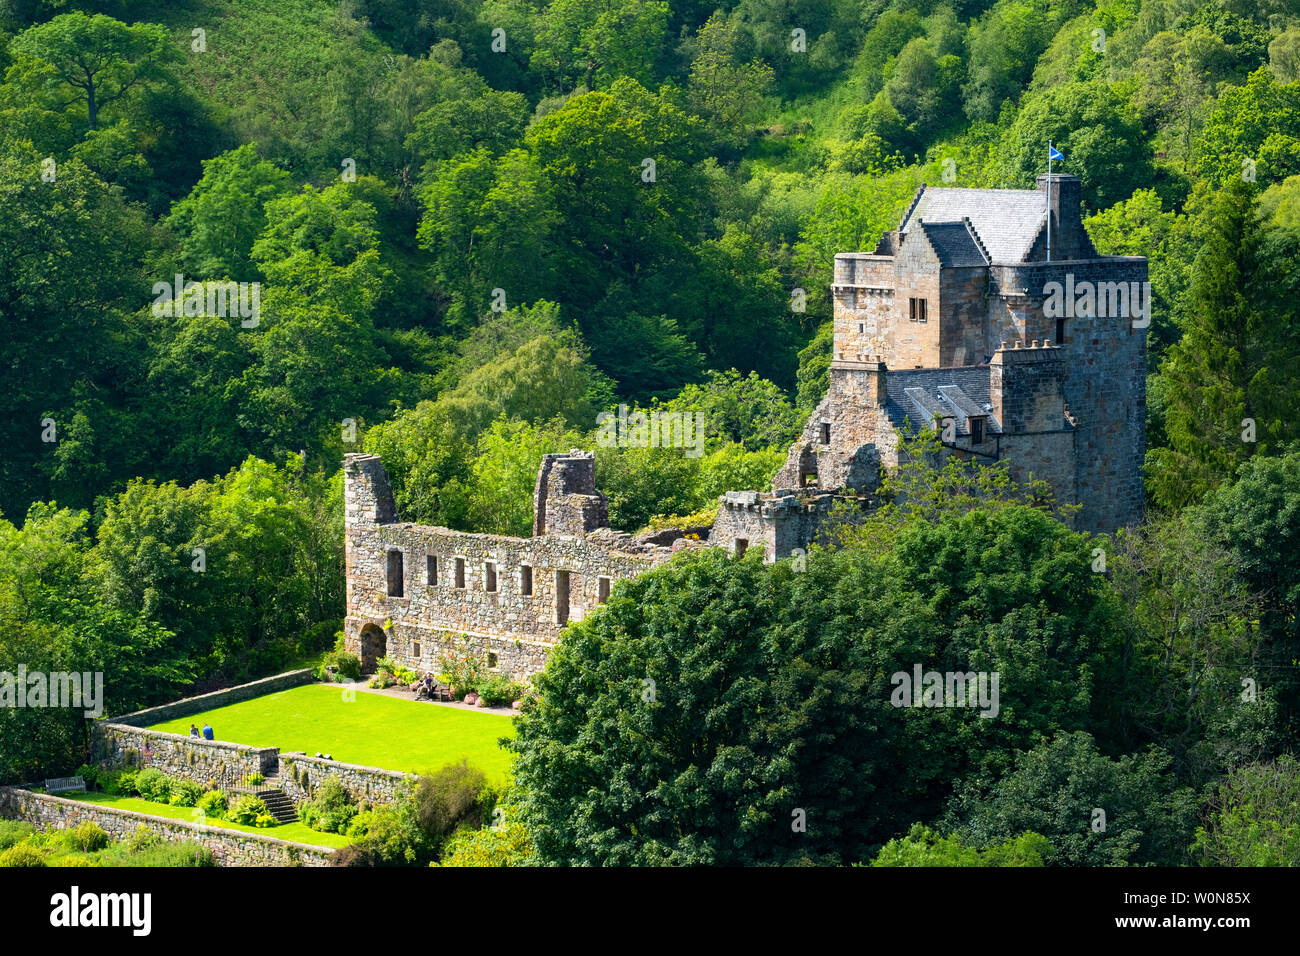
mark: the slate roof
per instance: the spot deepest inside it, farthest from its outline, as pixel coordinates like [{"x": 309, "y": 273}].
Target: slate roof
[
  {"x": 1007, "y": 221},
  {"x": 917, "y": 393},
  {"x": 954, "y": 244}
]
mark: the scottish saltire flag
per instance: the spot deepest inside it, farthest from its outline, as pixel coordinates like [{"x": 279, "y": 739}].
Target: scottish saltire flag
[{"x": 1053, "y": 154}]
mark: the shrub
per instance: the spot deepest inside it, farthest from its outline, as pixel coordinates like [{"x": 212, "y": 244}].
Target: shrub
[
  {"x": 246, "y": 810},
  {"x": 141, "y": 839},
  {"x": 462, "y": 671},
  {"x": 119, "y": 783},
  {"x": 185, "y": 793},
  {"x": 186, "y": 853},
  {"x": 506, "y": 845},
  {"x": 349, "y": 666},
  {"x": 500, "y": 690},
  {"x": 14, "y": 831},
  {"x": 214, "y": 803},
  {"x": 254, "y": 780},
  {"x": 22, "y": 854},
  {"x": 329, "y": 810},
  {"x": 89, "y": 837},
  {"x": 359, "y": 826},
  {"x": 88, "y": 773},
  {"x": 154, "y": 785},
  {"x": 457, "y": 795},
  {"x": 265, "y": 820}
]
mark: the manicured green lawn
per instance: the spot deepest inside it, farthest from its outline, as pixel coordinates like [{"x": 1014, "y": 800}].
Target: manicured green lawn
[
  {"x": 298, "y": 832},
  {"x": 371, "y": 730}
]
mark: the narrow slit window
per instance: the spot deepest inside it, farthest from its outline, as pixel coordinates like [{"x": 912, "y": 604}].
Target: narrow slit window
[
  {"x": 490, "y": 576},
  {"x": 826, "y": 433},
  {"x": 561, "y": 597},
  {"x": 394, "y": 573},
  {"x": 603, "y": 590},
  {"x": 526, "y": 580},
  {"x": 460, "y": 572},
  {"x": 416, "y": 648},
  {"x": 431, "y": 570},
  {"x": 742, "y": 545}
]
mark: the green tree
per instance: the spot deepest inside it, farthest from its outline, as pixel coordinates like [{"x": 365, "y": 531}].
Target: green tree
[
  {"x": 926, "y": 847},
  {"x": 1253, "y": 817},
  {"x": 225, "y": 213},
  {"x": 99, "y": 58},
  {"x": 1233, "y": 364},
  {"x": 1061, "y": 788},
  {"x": 1088, "y": 123}
]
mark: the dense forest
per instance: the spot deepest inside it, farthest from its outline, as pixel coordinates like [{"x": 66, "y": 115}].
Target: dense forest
[{"x": 474, "y": 226}]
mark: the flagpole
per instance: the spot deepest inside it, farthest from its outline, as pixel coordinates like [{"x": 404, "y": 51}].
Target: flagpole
[{"x": 1049, "y": 200}]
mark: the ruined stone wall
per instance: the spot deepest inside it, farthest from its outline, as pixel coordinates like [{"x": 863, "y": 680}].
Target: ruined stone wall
[
  {"x": 778, "y": 523},
  {"x": 229, "y": 847},
  {"x": 861, "y": 436},
  {"x": 464, "y": 592}
]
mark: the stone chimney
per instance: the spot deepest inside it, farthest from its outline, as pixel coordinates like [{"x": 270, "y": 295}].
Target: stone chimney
[
  {"x": 565, "y": 499},
  {"x": 367, "y": 494},
  {"x": 1069, "y": 239}
]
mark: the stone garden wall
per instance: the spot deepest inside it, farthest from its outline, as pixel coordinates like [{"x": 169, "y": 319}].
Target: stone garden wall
[
  {"x": 230, "y": 847},
  {"x": 203, "y": 761},
  {"x": 301, "y": 774},
  {"x": 219, "y": 698}
]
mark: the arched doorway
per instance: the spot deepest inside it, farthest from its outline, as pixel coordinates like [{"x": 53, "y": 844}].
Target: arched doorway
[{"x": 374, "y": 645}]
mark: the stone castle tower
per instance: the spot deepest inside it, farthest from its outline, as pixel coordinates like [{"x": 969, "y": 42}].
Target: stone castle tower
[{"x": 960, "y": 322}]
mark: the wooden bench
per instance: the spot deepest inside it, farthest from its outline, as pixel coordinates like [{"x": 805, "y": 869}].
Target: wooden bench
[{"x": 64, "y": 785}]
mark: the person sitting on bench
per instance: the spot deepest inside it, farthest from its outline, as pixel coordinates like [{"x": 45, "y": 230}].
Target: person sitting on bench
[
  {"x": 194, "y": 731},
  {"x": 207, "y": 732}
]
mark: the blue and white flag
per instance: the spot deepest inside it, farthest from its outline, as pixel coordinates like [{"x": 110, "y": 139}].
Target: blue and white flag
[{"x": 1053, "y": 154}]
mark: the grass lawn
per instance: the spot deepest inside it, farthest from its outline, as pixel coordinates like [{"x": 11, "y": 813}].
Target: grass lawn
[
  {"x": 298, "y": 832},
  {"x": 371, "y": 730}
]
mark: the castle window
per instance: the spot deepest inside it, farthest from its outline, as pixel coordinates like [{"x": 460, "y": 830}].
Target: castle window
[
  {"x": 431, "y": 570},
  {"x": 492, "y": 661},
  {"x": 742, "y": 545},
  {"x": 977, "y": 431},
  {"x": 460, "y": 572},
  {"x": 862, "y": 328},
  {"x": 525, "y": 580},
  {"x": 415, "y": 646},
  {"x": 602, "y": 590},
  {"x": 489, "y": 576},
  {"x": 916, "y": 310},
  {"x": 394, "y": 573},
  {"x": 826, "y": 433},
  {"x": 561, "y": 597}
]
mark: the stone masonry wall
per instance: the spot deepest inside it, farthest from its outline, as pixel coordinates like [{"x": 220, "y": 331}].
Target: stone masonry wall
[
  {"x": 219, "y": 698},
  {"x": 229, "y": 847},
  {"x": 476, "y": 593},
  {"x": 203, "y": 761},
  {"x": 301, "y": 774}
]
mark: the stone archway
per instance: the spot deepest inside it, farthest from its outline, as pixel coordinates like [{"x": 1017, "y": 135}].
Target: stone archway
[{"x": 374, "y": 645}]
